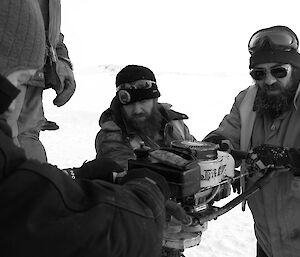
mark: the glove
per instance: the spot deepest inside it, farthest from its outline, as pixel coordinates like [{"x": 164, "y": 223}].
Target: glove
[
  {"x": 236, "y": 184},
  {"x": 175, "y": 210},
  {"x": 279, "y": 156},
  {"x": 67, "y": 86},
  {"x": 151, "y": 176},
  {"x": 223, "y": 142},
  {"x": 101, "y": 168},
  {"x": 272, "y": 155}
]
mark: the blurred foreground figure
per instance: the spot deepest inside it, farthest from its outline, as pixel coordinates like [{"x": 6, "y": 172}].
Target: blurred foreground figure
[
  {"x": 265, "y": 118},
  {"x": 135, "y": 117},
  {"x": 56, "y": 73},
  {"x": 49, "y": 212}
]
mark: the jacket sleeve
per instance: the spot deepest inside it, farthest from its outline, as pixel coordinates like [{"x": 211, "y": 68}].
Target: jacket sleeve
[
  {"x": 111, "y": 144},
  {"x": 230, "y": 126},
  {"x": 86, "y": 217},
  {"x": 62, "y": 51}
]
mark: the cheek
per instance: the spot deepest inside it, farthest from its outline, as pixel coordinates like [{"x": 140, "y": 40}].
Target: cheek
[{"x": 127, "y": 110}]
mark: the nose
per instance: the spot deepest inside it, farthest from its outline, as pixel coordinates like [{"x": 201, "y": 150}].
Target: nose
[
  {"x": 270, "y": 79},
  {"x": 137, "y": 108}
]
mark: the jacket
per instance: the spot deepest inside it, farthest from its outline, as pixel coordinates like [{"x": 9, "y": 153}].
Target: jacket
[
  {"x": 44, "y": 212},
  {"x": 276, "y": 207},
  {"x": 115, "y": 140},
  {"x": 56, "y": 49}
]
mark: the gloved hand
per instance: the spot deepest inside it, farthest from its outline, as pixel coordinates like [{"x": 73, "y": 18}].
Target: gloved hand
[
  {"x": 67, "y": 86},
  {"x": 236, "y": 184},
  {"x": 223, "y": 142},
  {"x": 175, "y": 210},
  {"x": 101, "y": 168},
  {"x": 271, "y": 155},
  {"x": 149, "y": 175},
  {"x": 278, "y": 156}
]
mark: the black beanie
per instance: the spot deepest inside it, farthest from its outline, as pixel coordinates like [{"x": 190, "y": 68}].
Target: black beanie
[
  {"x": 132, "y": 73},
  {"x": 271, "y": 55}
]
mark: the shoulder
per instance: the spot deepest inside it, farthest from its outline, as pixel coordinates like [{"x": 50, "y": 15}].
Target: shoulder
[
  {"x": 241, "y": 95},
  {"x": 170, "y": 113}
]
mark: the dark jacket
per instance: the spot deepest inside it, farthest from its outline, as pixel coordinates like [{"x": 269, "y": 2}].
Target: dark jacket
[
  {"x": 116, "y": 141},
  {"x": 44, "y": 212}
]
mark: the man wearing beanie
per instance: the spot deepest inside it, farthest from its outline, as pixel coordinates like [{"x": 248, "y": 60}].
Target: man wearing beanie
[
  {"x": 265, "y": 120},
  {"x": 56, "y": 73},
  {"x": 136, "y": 117}
]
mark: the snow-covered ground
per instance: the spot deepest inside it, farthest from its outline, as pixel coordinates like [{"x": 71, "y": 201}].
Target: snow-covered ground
[{"x": 205, "y": 98}]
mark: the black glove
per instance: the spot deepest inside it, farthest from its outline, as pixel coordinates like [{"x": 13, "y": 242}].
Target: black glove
[
  {"x": 272, "y": 155},
  {"x": 223, "y": 142},
  {"x": 151, "y": 176},
  {"x": 236, "y": 184},
  {"x": 278, "y": 156},
  {"x": 101, "y": 168}
]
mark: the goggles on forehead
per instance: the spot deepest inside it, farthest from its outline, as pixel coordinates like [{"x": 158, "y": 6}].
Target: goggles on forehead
[
  {"x": 140, "y": 84},
  {"x": 277, "y": 72},
  {"x": 280, "y": 38},
  {"x": 137, "y": 91}
]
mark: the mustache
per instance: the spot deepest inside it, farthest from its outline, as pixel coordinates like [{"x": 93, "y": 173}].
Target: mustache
[
  {"x": 274, "y": 86},
  {"x": 139, "y": 115}
]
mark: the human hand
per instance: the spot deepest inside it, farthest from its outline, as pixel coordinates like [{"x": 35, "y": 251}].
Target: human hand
[
  {"x": 175, "y": 210},
  {"x": 236, "y": 184},
  {"x": 150, "y": 176},
  {"x": 102, "y": 168},
  {"x": 271, "y": 155},
  {"x": 67, "y": 83}
]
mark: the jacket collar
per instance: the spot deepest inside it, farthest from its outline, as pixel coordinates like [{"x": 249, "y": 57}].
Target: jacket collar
[{"x": 112, "y": 116}]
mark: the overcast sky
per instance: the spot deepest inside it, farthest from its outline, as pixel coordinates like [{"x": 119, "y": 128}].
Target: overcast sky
[{"x": 172, "y": 35}]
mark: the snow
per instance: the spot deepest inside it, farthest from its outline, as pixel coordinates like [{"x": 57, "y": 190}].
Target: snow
[{"x": 204, "y": 97}]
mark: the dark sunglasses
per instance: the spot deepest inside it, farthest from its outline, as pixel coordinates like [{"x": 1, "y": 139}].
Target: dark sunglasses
[
  {"x": 276, "y": 72},
  {"x": 279, "y": 37}
]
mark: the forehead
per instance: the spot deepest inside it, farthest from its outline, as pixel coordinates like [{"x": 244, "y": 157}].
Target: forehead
[{"x": 272, "y": 64}]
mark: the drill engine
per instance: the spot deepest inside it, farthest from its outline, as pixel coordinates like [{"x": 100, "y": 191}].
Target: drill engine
[{"x": 198, "y": 175}]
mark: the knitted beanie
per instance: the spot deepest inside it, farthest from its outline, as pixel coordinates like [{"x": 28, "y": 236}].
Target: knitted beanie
[
  {"x": 277, "y": 56},
  {"x": 132, "y": 73},
  {"x": 22, "y": 36}
]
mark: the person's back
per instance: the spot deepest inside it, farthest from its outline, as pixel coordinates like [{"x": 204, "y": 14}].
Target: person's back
[{"x": 80, "y": 212}]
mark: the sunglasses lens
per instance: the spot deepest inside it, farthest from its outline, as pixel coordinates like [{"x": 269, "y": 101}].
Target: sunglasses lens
[
  {"x": 258, "y": 74},
  {"x": 279, "y": 72}
]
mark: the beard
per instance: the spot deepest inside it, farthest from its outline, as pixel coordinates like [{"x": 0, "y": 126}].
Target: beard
[
  {"x": 274, "y": 100},
  {"x": 146, "y": 124}
]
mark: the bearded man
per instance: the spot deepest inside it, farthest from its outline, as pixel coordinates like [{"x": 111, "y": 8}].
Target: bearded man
[
  {"x": 135, "y": 117},
  {"x": 265, "y": 118}
]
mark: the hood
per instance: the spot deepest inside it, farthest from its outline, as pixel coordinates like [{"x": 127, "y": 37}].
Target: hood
[{"x": 112, "y": 119}]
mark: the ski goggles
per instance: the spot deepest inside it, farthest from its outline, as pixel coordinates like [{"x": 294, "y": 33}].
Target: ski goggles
[
  {"x": 140, "y": 84},
  {"x": 279, "y": 37},
  {"x": 137, "y": 91},
  {"x": 277, "y": 72}
]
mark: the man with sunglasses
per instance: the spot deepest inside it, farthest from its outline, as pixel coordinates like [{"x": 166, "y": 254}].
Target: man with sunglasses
[
  {"x": 265, "y": 119},
  {"x": 136, "y": 117}
]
